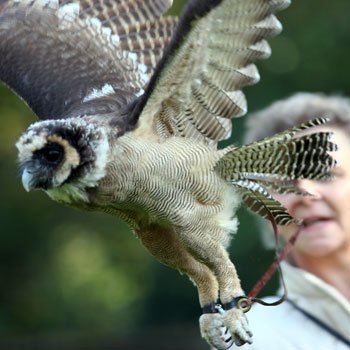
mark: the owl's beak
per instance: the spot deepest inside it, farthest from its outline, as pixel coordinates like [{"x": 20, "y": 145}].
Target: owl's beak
[
  {"x": 27, "y": 180},
  {"x": 35, "y": 180}
]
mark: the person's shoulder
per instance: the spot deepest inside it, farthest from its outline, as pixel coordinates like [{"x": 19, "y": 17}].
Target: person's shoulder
[
  {"x": 274, "y": 327},
  {"x": 270, "y": 314}
]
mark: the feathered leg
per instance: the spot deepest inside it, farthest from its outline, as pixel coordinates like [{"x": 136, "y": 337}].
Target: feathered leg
[
  {"x": 166, "y": 246},
  {"x": 205, "y": 248}
]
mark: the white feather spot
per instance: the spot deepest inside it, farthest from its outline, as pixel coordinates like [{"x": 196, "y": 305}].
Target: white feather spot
[
  {"x": 132, "y": 57},
  {"x": 140, "y": 92},
  {"x": 142, "y": 68},
  {"x": 102, "y": 151},
  {"x": 68, "y": 12},
  {"x": 142, "y": 73},
  {"x": 106, "y": 89},
  {"x": 115, "y": 39},
  {"x": 95, "y": 22},
  {"x": 107, "y": 31},
  {"x": 226, "y": 218}
]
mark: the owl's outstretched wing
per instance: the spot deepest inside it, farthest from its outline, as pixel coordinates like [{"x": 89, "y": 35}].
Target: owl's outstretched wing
[
  {"x": 196, "y": 88},
  {"x": 76, "y": 57}
]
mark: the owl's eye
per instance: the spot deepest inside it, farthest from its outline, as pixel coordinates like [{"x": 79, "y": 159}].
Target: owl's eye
[{"x": 52, "y": 153}]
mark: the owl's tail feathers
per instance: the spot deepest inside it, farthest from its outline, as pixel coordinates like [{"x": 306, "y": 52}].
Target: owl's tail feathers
[{"x": 275, "y": 163}]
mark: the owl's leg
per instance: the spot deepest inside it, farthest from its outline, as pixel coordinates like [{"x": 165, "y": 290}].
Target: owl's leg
[
  {"x": 213, "y": 254},
  {"x": 166, "y": 246}
]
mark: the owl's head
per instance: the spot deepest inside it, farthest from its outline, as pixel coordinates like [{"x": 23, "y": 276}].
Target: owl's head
[{"x": 55, "y": 153}]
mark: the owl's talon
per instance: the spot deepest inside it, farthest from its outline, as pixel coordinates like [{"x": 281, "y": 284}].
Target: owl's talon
[
  {"x": 224, "y": 325},
  {"x": 214, "y": 331},
  {"x": 237, "y": 324}
]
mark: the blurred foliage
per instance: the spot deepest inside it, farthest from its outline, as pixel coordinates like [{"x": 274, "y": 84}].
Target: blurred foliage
[{"x": 73, "y": 280}]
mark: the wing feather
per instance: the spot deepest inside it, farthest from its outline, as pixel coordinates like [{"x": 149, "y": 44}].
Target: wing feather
[
  {"x": 68, "y": 58},
  {"x": 138, "y": 24},
  {"x": 273, "y": 165},
  {"x": 257, "y": 199},
  {"x": 198, "y": 82}
]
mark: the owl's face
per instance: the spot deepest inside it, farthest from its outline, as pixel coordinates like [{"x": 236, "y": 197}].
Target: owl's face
[{"x": 56, "y": 153}]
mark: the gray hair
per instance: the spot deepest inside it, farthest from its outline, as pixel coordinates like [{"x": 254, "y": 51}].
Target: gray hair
[{"x": 296, "y": 110}]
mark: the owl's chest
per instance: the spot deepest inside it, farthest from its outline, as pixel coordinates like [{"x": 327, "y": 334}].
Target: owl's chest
[{"x": 170, "y": 182}]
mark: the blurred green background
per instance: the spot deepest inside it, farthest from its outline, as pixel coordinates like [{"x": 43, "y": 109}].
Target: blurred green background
[{"x": 75, "y": 280}]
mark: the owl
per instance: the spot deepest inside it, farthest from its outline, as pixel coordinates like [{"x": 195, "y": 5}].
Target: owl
[{"x": 132, "y": 104}]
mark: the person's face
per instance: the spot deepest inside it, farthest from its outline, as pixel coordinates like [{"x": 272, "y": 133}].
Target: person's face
[{"x": 326, "y": 214}]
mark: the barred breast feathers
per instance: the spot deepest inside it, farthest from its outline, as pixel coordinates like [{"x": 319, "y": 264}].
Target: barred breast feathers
[{"x": 176, "y": 178}]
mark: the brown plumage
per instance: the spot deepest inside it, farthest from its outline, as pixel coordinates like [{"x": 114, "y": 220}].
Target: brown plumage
[{"x": 133, "y": 105}]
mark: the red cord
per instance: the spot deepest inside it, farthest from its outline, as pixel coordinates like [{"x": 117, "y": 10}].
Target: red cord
[
  {"x": 252, "y": 296},
  {"x": 274, "y": 266}
]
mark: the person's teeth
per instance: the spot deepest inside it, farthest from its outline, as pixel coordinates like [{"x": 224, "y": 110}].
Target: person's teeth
[{"x": 312, "y": 222}]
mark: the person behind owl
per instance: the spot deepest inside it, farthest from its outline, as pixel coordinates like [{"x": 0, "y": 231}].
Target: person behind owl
[{"x": 316, "y": 314}]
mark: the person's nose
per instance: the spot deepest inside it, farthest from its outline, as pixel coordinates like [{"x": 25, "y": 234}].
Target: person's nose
[
  {"x": 310, "y": 186},
  {"x": 292, "y": 201}
]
